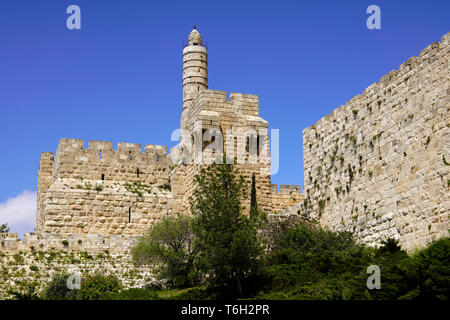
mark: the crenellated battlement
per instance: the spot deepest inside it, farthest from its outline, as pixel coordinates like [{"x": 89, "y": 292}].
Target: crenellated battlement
[
  {"x": 287, "y": 196},
  {"x": 101, "y": 162},
  {"x": 77, "y": 145},
  {"x": 393, "y": 83},
  {"x": 285, "y": 189}
]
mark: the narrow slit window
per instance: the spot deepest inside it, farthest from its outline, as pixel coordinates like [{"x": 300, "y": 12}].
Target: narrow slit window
[
  {"x": 257, "y": 145},
  {"x": 157, "y": 158},
  {"x": 103, "y": 176},
  {"x": 129, "y": 155},
  {"x": 137, "y": 173},
  {"x": 100, "y": 154},
  {"x": 129, "y": 215}
]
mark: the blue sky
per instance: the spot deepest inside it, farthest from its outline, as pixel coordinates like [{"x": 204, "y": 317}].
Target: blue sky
[{"x": 119, "y": 77}]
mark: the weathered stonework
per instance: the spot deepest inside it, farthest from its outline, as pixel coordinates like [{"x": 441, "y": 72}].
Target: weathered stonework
[
  {"x": 378, "y": 166},
  {"x": 100, "y": 198},
  {"x": 101, "y": 191},
  {"x": 287, "y": 197},
  {"x": 20, "y": 270}
]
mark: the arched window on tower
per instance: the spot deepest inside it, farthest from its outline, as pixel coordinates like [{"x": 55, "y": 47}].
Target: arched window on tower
[
  {"x": 100, "y": 154},
  {"x": 103, "y": 176},
  {"x": 129, "y": 155},
  {"x": 137, "y": 172}
]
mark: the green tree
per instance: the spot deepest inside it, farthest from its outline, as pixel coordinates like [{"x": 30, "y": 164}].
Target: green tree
[
  {"x": 227, "y": 239},
  {"x": 4, "y": 228},
  {"x": 428, "y": 272},
  {"x": 253, "y": 202},
  {"x": 168, "y": 246},
  {"x": 98, "y": 287}
]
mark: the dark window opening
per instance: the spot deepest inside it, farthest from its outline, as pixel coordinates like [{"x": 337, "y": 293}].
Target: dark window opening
[
  {"x": 137, "y": 172},
  {"x": 103, "y": 176},
  {"x": 247, "y": 145},
  {"x": 204, "y": 143},
  {"x": 257, "y": 145},
  {"x": 157, "y": 158},
  {"x": 129, "y": 215},
  {"x": 100, "y": 154},
  {"x": 129, "y": 155}
]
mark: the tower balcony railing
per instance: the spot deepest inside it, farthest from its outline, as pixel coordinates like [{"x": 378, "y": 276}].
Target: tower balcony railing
[{"x": 204, "y": 44}]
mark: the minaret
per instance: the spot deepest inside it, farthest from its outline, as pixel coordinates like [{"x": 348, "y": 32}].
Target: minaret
[{"x": 195, "y": 71}]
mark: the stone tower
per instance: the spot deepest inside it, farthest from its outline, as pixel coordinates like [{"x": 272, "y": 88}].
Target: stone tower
[
  {"x": 99, "y": 198},
  {"x": 195, "y": 71}
]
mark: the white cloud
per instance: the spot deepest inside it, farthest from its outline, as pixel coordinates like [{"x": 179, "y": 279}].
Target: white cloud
[{"x": 19, "y": 212}]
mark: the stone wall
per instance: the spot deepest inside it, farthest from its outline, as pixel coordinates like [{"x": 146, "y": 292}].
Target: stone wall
[
  {"x": 378, "y": 165},
  {"x": 100, "y": 191},
  {"x": 21, "y": 269},
  {"x": 234, "y": 118},
  {"x": 287, "y": 196},
  {"x": 98, "y": 194}
]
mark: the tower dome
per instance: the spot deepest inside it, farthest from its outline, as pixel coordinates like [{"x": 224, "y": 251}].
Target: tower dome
[{"x": 195, "y": 39}]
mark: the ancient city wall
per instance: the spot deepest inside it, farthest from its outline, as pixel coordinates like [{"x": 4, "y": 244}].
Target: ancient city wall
[
  {"x": 20, "y": 270},
  {"x": 233, "y": 117},
  {"x": 379, "y": 165},
  {"x": 101, "y": 162},
  {"x": 287, "y": 196},
  {"x": 101, "y": 191},
  {"x": 108, "y": 208}
]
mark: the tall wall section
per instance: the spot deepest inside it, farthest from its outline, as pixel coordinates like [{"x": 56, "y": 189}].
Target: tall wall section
[
  {"x": 102, "y": 192},
  {"x": 379, "y": 165},
  {"x": 211, "y": 109}
]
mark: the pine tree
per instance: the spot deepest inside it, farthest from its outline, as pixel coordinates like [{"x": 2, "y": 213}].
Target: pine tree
[
  {"x": 227, "y": 239},
  {"x": 253, "y": 202}
]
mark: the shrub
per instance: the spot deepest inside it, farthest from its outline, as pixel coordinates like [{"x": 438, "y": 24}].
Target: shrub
[
  {"x": 34, "y": 268},
  {"x": 4, "y": 228},
  {"x": 433, "y": 272},
  {"x": 169, "y": 247},
  {"x": 65, "y": 243},
  {"x": 98, "y": 287},
  {"x": 18, "y": 258},
  {"x": 134, "y": 294},
  {"x": 57, "y": 289}
]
